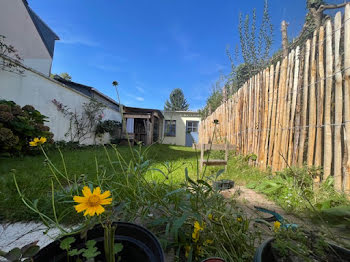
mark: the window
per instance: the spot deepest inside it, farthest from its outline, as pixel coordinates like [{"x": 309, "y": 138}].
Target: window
[
  {"x": 170, "y": 128},
  {"x": 192, "y": 126}
]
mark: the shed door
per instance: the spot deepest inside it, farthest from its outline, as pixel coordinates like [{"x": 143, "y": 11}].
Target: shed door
[{"x": 191, "y": 132}]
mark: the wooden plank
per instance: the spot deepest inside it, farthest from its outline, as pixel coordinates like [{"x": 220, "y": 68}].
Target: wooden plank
[
  {"x": 320, "y": 99},
  {"x": 282, "y": 84},
  {"x": 312, "y": 103},
  {"x": 298, "y": 110},
  {"x": 215, "y": 162},
  {"x": 293, "y": 106},
  {"x": 264, "y": 117},
  {"x": 285, "y": 123},
  {"x": 137, "y": 116},
  {"x": 346, "y": 182},
  {"x": 305, "y": 103},
  {"x": 328, "y": 152},
  {"x": 338, "y": 110},
  {"x": 273, "y": 133},
  {"x": 270, "y": 102}
]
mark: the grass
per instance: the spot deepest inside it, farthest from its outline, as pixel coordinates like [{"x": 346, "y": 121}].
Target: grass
[
  {"x": 160, "y": 180},
  {"x": 34, "y": 176}
]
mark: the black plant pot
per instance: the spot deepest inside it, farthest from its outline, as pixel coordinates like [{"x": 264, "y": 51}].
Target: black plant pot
[
  {"x": 264, "y": 252},
  {"x": 139, "y": 244}
]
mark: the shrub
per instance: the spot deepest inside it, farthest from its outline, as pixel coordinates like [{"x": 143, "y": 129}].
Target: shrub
[
  {"x": 107, "y": 126},
  {"x": 20, "y": 125}
]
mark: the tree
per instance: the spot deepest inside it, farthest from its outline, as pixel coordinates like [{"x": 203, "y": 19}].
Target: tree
[
  {"x": 177, "y": 101},
  {"x": 256, "y": 48},
  {"x": 66, "y": 76},
  {"x": 213, "y": 101}
]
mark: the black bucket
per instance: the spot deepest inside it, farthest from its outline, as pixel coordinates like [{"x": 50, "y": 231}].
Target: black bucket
[
  {"x": 264, "y": 253},
  {"x": 139, "y": 244}
]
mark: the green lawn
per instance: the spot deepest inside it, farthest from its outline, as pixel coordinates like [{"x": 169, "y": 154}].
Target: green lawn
[{"x": 34, "y": 176}]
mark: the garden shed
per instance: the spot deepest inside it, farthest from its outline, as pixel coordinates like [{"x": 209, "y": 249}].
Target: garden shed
[{"x": 142, "y": 124}]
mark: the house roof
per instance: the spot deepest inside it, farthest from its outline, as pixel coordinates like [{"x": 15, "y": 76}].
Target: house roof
[
  {"x": 47, "y": 35},
  {"x": 136, "y": 110},
  {"x": 89, "y": 91}
]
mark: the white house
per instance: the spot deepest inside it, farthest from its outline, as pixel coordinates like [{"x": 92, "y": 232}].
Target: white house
[
  {"x": 33, "y": 39},
  {"x": 181, "y": 127},
  {"x": 35, "y": 43}
]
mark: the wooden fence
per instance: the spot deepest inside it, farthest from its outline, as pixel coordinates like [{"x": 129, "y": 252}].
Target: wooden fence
[{"x": 296, "y": 111}]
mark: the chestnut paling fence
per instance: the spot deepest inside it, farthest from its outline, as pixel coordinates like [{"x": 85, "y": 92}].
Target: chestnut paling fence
[{"x": 296, "y": 111}]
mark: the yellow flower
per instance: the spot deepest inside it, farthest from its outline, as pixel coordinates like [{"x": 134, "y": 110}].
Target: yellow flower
[
  {"x": 239, "y": 219},
  {"x": 187, "y": 250},
  {"x": 198, "y": 226},
  {"x": 208, "y": 242},
  {"x": 195, "y": 235},
  {"x": 92, "y": 202},
  {"x": 276, "y": 226},
  {"x": 210, "y": 216},
  {"x": 37, "y": 141}
]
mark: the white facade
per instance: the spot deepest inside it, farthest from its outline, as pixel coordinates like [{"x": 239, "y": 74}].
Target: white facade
[
  {"x": 17, "y": 25},
  {"x": 33, "y": 88},
  {"x": 181, "y": 118}
]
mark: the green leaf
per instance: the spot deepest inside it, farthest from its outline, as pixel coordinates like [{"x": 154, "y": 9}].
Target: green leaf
[
  {"x": 31, "y": 251},
  {"x": 14, "y": 254},
  {"x": 178, "y": 223},
  {"x": 91, "y": 253},
  {"x": 219, "y": 173},
  {"x": 200, "y": 181},
  {"x": 118, "y": 247},
  {"x": 188, "y": 178},
  {"x": 160, "y": 171},
  {"x": 66, "y": 243},
  {"x": 175, "y": 191},
  {"x": 76, "y": 252},
  {"x": 90, "y": 244},
  {"x": 26, "y": 247}
]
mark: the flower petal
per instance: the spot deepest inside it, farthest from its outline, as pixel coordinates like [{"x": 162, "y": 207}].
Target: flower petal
[
  {"x": 81, "y": 207},
  {"x": 86, "y": 191},
  {"x": 32, "y": 143},
  {"x": 105, "y": 194},
  {"x": 97, "y": 191},
  {"x": 99, "y": 210},
  {"x": 106, "y": 201},
  {"x": 80, "y": 199},
  {"x": 36, "y": 140}
]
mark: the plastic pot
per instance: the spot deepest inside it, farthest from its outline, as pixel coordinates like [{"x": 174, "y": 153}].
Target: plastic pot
[
  {"x": 264, "y": 254},
  {"x": 224, "y": 184},
  {"x": 139, "y": 244},
  {"x": 213, "y": 259}
]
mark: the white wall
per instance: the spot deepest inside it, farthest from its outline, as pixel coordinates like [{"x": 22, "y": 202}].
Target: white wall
[
  {"x": 18, "y": 28},
  {"x": 35, "y": 89},
  {"x": 181, "y": 118}
]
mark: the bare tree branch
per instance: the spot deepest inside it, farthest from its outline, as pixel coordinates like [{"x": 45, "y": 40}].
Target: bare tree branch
[{"x": 332, "y": 6}]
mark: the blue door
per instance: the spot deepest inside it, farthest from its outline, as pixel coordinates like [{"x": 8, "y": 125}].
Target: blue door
[{"x": 191, "y": 132}]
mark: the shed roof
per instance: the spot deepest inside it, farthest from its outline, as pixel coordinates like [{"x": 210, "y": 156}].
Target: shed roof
[
  {"x": 89, "y": 91},
  {"x": 136, "y": 110}
]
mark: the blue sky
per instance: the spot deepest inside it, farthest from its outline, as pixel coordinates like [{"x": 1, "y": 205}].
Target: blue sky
[{"x": 151, "y": 47}]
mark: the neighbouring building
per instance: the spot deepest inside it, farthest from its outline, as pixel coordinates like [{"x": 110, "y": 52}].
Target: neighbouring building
[
  {"x": 32, "y": 37},
  {"x": 181, "y": 127},
  {"x": 35, "y": 42}
]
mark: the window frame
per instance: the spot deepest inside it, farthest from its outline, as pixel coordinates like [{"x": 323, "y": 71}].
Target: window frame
[
  {"x": 168, "y": 126},
  {"x": 192, "y": 127}
]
